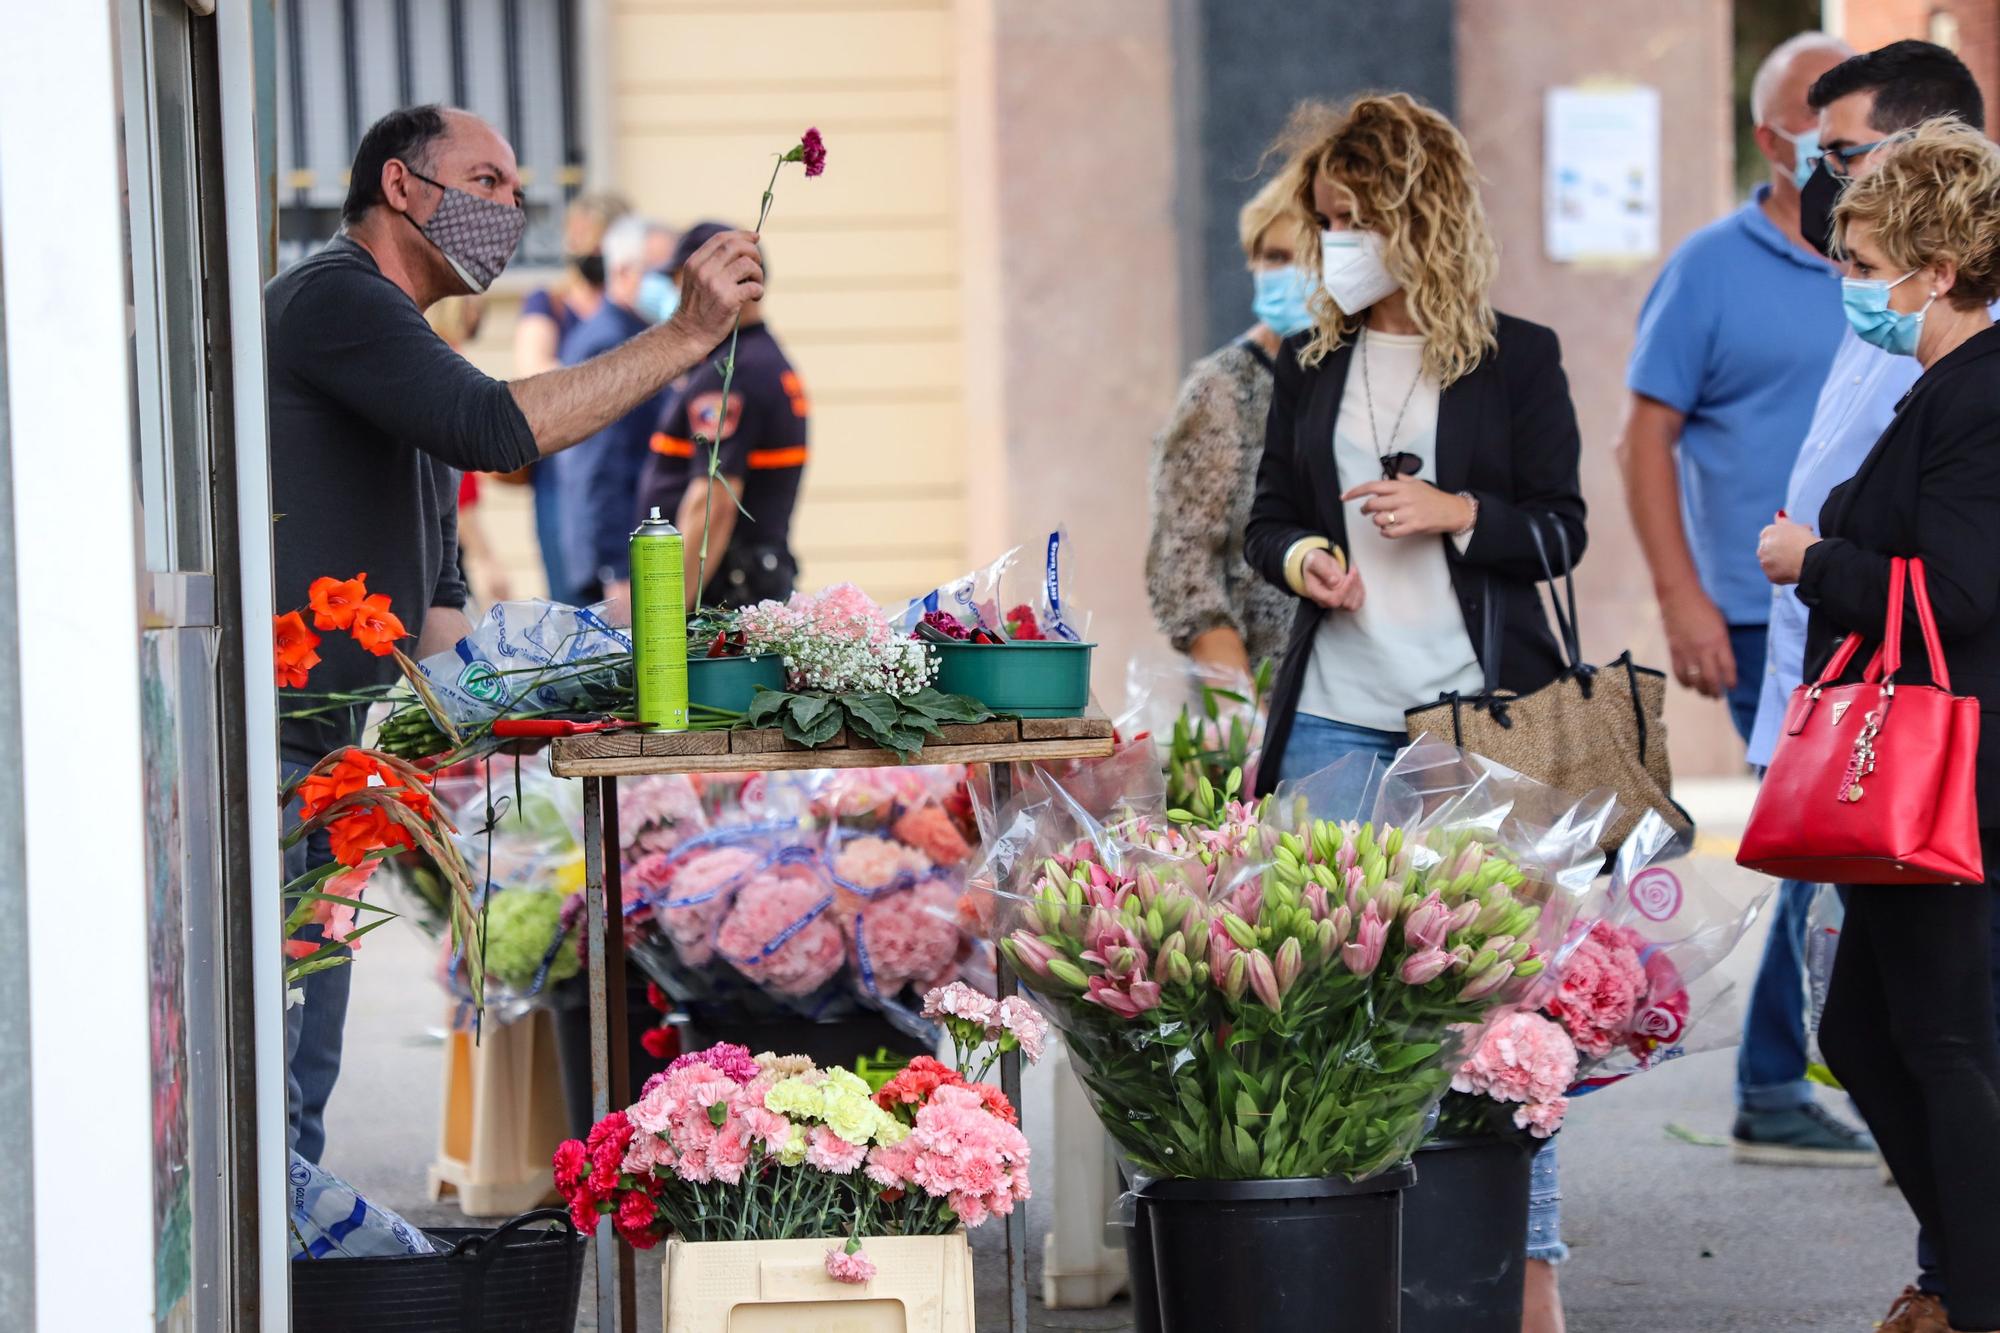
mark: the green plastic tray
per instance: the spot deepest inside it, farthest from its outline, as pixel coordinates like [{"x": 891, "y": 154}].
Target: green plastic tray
[
  {"x": 1027, "y": 678},
  {"x": 731, "y": 682}
]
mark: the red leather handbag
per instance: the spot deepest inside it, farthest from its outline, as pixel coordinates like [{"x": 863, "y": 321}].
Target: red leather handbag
[{"x": 1872, "y": 784}]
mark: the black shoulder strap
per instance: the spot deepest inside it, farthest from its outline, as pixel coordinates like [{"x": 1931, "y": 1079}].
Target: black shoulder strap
[{"x": 1562, "y": 596}]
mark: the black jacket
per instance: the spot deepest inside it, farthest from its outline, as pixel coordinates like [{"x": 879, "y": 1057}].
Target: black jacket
[
  {"x": 1930, "y": 488},
  {"x": 1506, "y": 432}
]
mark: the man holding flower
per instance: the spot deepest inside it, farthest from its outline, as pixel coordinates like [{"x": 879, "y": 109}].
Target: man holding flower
[{"x": 371, "y": 413}]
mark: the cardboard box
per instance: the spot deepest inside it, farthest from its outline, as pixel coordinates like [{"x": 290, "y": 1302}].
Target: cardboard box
[{"x": 922, "y": 1284}]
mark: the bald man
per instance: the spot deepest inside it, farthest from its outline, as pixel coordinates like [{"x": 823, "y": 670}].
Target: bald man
[{"x": 1734, "y": 342}]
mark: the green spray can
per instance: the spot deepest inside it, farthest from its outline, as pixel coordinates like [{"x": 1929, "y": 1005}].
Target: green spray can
[{"x": 659, "y": 624}]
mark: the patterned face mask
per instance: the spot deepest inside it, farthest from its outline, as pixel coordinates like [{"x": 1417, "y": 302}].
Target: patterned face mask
[{"x": 476, "y": 236}]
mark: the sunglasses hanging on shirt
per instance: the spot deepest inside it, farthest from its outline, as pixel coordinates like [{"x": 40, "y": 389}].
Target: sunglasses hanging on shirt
[{"x": 1398, "y": 465}]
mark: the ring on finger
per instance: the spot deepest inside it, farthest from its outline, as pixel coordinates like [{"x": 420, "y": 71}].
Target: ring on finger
[{"x": 1392, "y": 520}]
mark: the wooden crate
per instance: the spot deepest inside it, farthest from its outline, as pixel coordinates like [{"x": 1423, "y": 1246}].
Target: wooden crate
[{"x": 1005, "y": 740}]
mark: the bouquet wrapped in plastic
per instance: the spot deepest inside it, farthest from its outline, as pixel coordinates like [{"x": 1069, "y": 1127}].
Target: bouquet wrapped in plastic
[
  {"x": 1282, "y": 990},
  {"x": 1630, "y": 988},
  {"x": 519, "y": 833},
  {"x": 811, "y": 896}
]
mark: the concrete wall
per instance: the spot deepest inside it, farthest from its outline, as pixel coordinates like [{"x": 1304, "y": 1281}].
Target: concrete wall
[
  {"x": 1246, "y": 64},
  {"x": 1509, "y": 51},
  {"x": 1073, "y": 300}
]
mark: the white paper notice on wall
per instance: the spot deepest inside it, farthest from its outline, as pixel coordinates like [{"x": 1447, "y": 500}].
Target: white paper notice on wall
[{"x": 1601, "y": 174}]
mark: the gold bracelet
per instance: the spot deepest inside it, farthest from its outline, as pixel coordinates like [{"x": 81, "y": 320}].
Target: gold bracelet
[{"x": 1295, "y": 561}]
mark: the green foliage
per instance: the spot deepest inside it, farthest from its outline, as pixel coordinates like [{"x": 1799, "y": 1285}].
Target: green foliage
[
  {"x": 1206, "y": 756},
  {"x": 903, "y": 724}
]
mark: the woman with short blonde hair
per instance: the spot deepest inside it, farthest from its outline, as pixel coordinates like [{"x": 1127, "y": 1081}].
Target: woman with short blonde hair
[
  {"x": 1909, "y": 1025},
  {"x": 1207, "y": 601}
]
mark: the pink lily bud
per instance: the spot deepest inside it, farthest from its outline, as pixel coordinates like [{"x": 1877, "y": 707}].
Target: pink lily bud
[
  {"x": 1420, "y": 969},
  {"x": 1030, "y": 955},
  {"x": 1147, "y": 885},
  {"x": 1315, "y": 897},
  {"x": 1487, "y": 982},
  {"x": 1364, "y": 953},
  {"x": 1343, "y": 923},
  {"x": 1426, "y": 927},
  {"x": 1461, "y": 957},
  {"x": 1291, "y": 961},
  {"x": 1247, "y": 900},
  {"x": 1264, "y": 979},
  {"x": 1237, "y": 980},
  {"x": 1388, "y": 900},
  {"x": 1462, "y": 916}
]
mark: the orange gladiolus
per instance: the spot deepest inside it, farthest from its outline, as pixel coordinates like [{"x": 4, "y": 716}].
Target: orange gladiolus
[
  {"x": 376, "y": 627},
  {"x": 353, "y": 772},
  {"x": 334, "y": 601},
  {"x": 354, "y": 836},
  {"x": 292, "y": 647}
]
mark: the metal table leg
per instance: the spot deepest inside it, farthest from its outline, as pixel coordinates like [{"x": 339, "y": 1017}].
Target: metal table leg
[
  {"x": 1010, "y": 1083},
  {"x": 610, "y": 1080}
]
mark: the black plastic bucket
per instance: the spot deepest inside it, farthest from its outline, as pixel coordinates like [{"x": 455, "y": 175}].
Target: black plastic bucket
[
  {"x": 510, "y": 1279},
  {"x": 1276, "y": 1256},
  {"x": 1465, "y": 1232},
  {"x": 1140, "y": 1284}
]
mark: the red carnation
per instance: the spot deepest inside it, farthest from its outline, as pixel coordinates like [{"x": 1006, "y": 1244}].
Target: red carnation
[
  {"x": 812, "y": 151},
  {"x": 571, "y": 1164},
  {"x": 996, "y": 1102},
  {"x": 659, "y": 1043},
  {"x": 636, "y": 1213},
  {"x": 609, "y": 1138},
  {"x": 915, "y": 1084},
  {"x": 583, "y": 1212}
]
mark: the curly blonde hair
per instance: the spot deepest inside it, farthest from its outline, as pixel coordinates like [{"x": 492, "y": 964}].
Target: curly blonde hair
[
  {"x": 1408, "y": 175},
  {"x": 1935, "y": 196}
]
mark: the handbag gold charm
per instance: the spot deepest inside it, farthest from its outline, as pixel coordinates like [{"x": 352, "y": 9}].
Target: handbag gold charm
[{"x": 1862, "y": 762}]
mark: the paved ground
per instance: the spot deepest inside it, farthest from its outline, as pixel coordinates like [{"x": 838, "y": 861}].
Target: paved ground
[{"x": 1669, "y": 1237}]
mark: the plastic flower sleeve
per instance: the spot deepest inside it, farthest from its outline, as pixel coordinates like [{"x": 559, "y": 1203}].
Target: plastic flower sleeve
[
  {"x": 1274, "y": 994},
  {"x": 1020, "y": 593},
  {"x": 1634, "y": 980},
  {"x": 519, "y": 831}
]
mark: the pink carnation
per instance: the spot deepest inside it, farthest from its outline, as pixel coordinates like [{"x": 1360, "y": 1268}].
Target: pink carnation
[
  {"x": 1025, "y": 1024},
  {"x": 1525, "y": 1058},
  {"x": 872, "y": 863},
  {"x": 961, "y": 1152},
  {"x": 780, "y": 935},
  {"x": 931, "y": 831},
  {"x": 1542, "y": 1119},
  {"x": 827, "y": 1151},
  {"x": 959, "y": 1000},
  {"x": 656, "y": 813},
  {"x": 844, "y": 1267},
  {"x": 699, "y": 895},
  {"x": 908, "y": 937},
  {"x": 1602, "y": 986}
]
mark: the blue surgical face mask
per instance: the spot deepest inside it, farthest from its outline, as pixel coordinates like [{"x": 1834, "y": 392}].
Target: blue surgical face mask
[
  {"x": 1805, "y": 155},
  {"x": 659, "y": 296},
  {"x": 1280, "y": 300},
  {"x": 1866, "y": 301}
]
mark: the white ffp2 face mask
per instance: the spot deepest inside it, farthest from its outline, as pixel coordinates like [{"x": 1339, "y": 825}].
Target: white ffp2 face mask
[{"x": 1351, "y": 269}]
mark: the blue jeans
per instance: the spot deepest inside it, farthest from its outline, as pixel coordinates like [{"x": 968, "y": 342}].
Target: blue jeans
[
  {"x": 1320, "y": 742},
  {"x": 314, "y": 1029},
  {"x": 1316, "y": 743},
  {"x": 1930, "y": 1267},
  {"x": 1545, "y": 1225},
  {"x": 1771, "y": 1063}
]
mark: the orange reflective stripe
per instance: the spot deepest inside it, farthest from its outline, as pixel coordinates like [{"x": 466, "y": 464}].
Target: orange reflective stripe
[
  {"x": 672, "y": 447},
  {"x": 767, "y": 459}
]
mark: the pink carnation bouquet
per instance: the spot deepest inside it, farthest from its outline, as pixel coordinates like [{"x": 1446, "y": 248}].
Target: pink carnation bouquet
[{"x": 728, "y": 1146}]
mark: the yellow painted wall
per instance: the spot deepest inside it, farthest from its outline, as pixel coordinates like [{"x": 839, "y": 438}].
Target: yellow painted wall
[{"x": 865, "y": 281}]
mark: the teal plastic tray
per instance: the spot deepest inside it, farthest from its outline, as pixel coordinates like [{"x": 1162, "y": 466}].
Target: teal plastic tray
[
  {"x": 1027, "y": 678},
  {"x": 732, "y": 682}
]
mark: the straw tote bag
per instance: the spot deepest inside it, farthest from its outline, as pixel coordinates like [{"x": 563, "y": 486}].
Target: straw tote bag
[
  {"x": 1869, "y": 784},
  {"x": 1590, "y": 727}
]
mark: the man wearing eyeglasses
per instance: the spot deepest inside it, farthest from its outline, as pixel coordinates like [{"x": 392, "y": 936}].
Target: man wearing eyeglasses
[
  {"x": 1733, "y": 344},
  {"x": 1865, "y": 106}
]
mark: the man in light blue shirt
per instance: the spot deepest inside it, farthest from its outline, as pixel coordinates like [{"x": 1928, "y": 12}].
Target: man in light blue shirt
[
  {"x": 1734, "y": 342},
  {"x": 1863, "y": 106}
]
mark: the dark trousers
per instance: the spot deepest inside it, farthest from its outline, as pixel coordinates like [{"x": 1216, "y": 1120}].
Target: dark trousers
[
  {"x": 1909, "y": 1029},
  {"x": 1930, "y": 1265}
]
